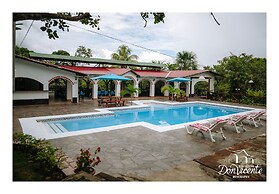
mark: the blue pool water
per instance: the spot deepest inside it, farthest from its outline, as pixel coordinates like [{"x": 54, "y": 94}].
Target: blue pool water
[{"x": 160, "y": 115}]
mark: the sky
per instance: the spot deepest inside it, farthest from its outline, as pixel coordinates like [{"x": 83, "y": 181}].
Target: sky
[{"x": 237, "y": 33}]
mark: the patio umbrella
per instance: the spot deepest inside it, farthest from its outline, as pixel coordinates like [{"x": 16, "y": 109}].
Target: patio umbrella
[
  {"x": 111, "y": 77},
  {"x": 179, "y": 79}
]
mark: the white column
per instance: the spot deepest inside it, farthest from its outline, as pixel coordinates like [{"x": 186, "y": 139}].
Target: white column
[
  {"x": 193, "y": 84},
  {"x": 136, "y": 85},
  {"x": 152, "y": 88},
  {"x": 95, "y": 90},
  {"x": 166, "y": 93},
  {"x": 176, "y": 85},
  {"x": 68, "y": 91},
  {"x": 75, "y": 90},
  {"x": 212, "y": 84},
  {"x": 117, "y": 88},
  {"x": 188, "y": 88}
]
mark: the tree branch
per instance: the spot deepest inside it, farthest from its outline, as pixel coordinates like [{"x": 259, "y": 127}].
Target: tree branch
[{"x": 44, "y": 16}]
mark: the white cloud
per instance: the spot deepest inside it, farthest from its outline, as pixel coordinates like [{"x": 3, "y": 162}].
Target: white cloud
[
  {"x": 147, "y": 56},
  {"x": 103, "y": 53},
  {"x": 195, "y": 32}
]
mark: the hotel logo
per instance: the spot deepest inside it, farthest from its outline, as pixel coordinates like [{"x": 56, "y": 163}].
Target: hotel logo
[{"x": 241, "y": 165}]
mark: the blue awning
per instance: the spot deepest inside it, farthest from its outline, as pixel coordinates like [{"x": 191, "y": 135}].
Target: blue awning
[
  {"x": 179, "y": 79},
  {"x": 111, "y": 77}
]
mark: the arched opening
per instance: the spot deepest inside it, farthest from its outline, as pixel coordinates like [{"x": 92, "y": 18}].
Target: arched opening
[
  {"x": 171, "y": 83},
  {"x": 124, "y": 85},
  {"x": 201, "y": 88},
  {"x": 27, "y": 84},
  {"x": 144, "y": 86},
  {"x": 183, "y": 86},
  {"x": 60, "y": 89},
  {"x": 85, "y": 86},
  {"x": 158, "y": 85},
  {"x": 106, "y": 88}
]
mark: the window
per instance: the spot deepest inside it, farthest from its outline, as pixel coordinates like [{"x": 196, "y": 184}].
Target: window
[{"x": 27, "y": 84}]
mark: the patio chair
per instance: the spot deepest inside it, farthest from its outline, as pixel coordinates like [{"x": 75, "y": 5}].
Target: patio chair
[
  {"x": 255, "y": 118},
  {"x": 237, "y": 122},
  {"x": 209, "y": 128}
]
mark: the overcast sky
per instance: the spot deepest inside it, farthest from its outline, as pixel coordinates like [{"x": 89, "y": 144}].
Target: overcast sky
[{"x": 196, "y": 32}]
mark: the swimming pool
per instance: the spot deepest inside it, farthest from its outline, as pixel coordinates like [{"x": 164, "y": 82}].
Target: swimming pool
[{"x": 159, "y": 116}]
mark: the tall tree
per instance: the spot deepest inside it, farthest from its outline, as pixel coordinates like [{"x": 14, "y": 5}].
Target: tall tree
[
  {"x": 22, "y": 51},
  {"x": 124, "y": 53},
  {"x": 237, "y": 71},
  {"x": 82, "y": 51},
  {"x": 170, "y": 66},
  {"x": 187, "y": 60},
  {"x": 61, "y": 52}
]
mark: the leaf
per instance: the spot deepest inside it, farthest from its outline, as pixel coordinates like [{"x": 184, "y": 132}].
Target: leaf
[
  {"x": 43, "y": 28},
  {"x": 55, "y": 34},
  {"x": 49, "y": 31},
  {"x": 55, "y": 23}
]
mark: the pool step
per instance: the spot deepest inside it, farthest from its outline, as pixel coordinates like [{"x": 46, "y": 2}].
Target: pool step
[{"x": 57, "y": 128}]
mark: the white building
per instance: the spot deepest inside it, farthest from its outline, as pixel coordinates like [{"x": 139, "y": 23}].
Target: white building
[{"x": 32, "y": 79}]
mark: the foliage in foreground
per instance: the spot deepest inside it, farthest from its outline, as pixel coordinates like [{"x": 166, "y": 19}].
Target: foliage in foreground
[{"x": 39, "y": 150}]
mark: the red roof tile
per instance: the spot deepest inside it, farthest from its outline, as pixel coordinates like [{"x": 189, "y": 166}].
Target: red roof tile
[
  {"x": 187, "y": 73},
  {"x": 151, "y": 73},
  {"x": 97, "y": 70},
  {"x": 141, "y": 73}
]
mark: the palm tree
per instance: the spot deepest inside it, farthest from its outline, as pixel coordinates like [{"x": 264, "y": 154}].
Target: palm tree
[
  {"x": 187, "y": 60},
  {"x": 172, "y": 90},
  {"x": 124, "y": 54},
  {"x": 131, "y": 90}
]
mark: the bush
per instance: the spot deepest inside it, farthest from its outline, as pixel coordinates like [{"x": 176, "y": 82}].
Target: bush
[
  {"x": 39, "y": 150},
  {"x": 256, "y": 96}
]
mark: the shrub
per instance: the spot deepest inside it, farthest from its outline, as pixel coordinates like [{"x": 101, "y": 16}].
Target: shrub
[
  {"x": 39, "y": 150},
  {"x": 86, "y": 161},
  {"x": 256, "y": 96}
]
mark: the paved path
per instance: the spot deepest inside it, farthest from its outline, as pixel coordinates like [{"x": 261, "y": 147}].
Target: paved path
[{"x": 138, "y": 152}]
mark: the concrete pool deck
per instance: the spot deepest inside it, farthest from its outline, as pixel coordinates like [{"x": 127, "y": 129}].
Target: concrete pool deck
[{"x": 139, "y": 152}]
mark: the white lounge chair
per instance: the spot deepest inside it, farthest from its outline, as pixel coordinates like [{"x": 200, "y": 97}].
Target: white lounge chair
[
  {"x": 236, "y": 121},
  {"x": 209, "y": 128},
  {"x": 255, "y": 118}
]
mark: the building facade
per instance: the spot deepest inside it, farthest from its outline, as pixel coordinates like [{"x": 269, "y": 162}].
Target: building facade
[{"x": 33, "y": 78}]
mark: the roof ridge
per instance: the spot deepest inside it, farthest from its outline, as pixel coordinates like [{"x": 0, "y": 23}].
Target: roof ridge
[{"x": 168, "y": 74}]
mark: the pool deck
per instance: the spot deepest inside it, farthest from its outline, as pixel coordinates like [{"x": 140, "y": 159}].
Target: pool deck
[{"x": 140, "y": 153}]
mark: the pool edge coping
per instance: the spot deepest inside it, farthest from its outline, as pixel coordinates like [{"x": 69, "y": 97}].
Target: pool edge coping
[{"x": 30, "y": 125}]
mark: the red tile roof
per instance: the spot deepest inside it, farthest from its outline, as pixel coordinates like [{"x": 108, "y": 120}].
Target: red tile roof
[
  {"x": 141, "y": 73},
  {"x": 168, "y": 74},
  {"x": 187, "y": 73},
  {"x": 97, "y": 70},
  {"x": 151, "y": 73}
]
